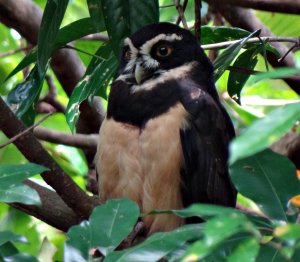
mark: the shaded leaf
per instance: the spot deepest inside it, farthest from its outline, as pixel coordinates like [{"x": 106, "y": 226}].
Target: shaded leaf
[
  {"x": 22, "y": 257},
  {"x": 108, "y": 225},
  {"x": 236, "y": 80},
  {"x": 158, "y": 245},
  {"x": 12, "y": 175},
  {"x": 52, "y": 18},
  {"x": 273, "y": 178},
  {"x": 8, "y": 236},
  {"x": 264, "y": 132},
  {"x": 246, "y": 251},
  {"x": 8, "y": 249},
  {"x": 229, "y": 54},
  {"x": 25, "y": 96},
  {"x": 123, "y": 17},
  {"x": 269, "y": 253},
  {"x": 92, "y": 84},
  {"x": 95, "y": 9},
  {"x": 275, "y": 73}
]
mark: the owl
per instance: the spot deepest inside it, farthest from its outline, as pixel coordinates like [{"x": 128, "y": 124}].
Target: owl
[{"x": 164, "y": 141}]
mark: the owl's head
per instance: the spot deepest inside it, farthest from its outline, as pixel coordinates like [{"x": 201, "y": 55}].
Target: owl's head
[{"x": 157, "y": 48}]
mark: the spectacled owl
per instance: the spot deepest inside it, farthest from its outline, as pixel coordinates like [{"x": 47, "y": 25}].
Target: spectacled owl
[{"x": 164, "y": 141}]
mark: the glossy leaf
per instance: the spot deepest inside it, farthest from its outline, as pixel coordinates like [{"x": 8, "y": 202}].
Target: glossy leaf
[
  {"x": 95, "y": 9},
  {"x": 229, "y": 54},
  {"x": 12, "y": 175},
  {"x": 237, "y": 80},
  {"x": 22, "y": 257},
  {"x": 158, "y": 245},
  {"x": 275, "y": 73},
  {"x": 25, "y": 96},
  {"x": 123, "y": 17},
  {"x": 269, "y": 180},
  {"x": 52, "y": 18},
  {"x": 264, "y": 132},
  {"x": 66, "y": 34},
  {"x": 8, "y": 236},
  {"x": 108, "y": 225},
  {"x": 246, "y": 251},
  {"x": 216, "y": 231},
  {"x": 92, "y": 84}
]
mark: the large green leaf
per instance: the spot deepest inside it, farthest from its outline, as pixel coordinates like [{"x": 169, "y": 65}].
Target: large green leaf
[
  {"x": 157, "y": 245},
  {"x": 13, "y": 175},
  {"x": 237, "y": 80},
  {"x": 229, "y": 54},
  {"x": 66, "y": 34},
  {"x": 25, "y": 96},
  {"x": 52, "y": 18},
  {"x": 246, "y": 251},
  {"x": 95, "y": 9},
  {"x": 8, "y": 236},
  {"x": 92, "y": 84},
  {"x": 269, "y": 180},
  {"x": 11, "y": 187},
  {"x": 123, "y": 17},
  {"x": 22, "y": 257},
  {"x": 264, "y": 132},
  {"x": 216, "y": 231},
  {"x": 108, "y": 225}
]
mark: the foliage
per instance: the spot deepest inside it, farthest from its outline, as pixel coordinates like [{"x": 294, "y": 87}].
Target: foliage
[{"x": 266, "y": 181}]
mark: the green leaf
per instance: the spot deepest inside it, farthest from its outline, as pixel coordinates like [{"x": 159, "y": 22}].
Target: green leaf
[
  {"x": 246, "y": 251},
  {"x": 52, "y": 18},
  {"x": 8, "y": 249},
  {"x": 264, "y": 132},
  {"x": 289, "y": 232},
  {"x": 92, "y": 84},
  {"x": 123, "y": 17},
  {"x": 20, "y": 194},
  {"x": 275, "y": 73},
  {"x": 22, "y": 257},
  {"x": 216, "y": 34},
  {"x": 95, "y": 9},
  {"x": 236, "y": 80},
  {"x": 269, "y": 253},
  {"x": 13, "y": 175},
  {"x": 67, "y": 34},
  {"x": 158, "y": 245},
  {"x": 108, "y": 225},
  {"x": 8, "y": 236},
  {"x": 216, "y": 231},
  {"x": 269, "y": 180},
  {"x": 229, "y": 54}
]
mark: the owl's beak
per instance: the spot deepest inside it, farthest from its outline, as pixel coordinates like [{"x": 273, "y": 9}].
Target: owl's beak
[{"x": 138, "y": 73}]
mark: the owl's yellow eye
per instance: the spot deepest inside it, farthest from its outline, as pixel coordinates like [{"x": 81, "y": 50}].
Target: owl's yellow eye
[
  {"x": 163, "y": 50},
  {"x": 127, "y": 55}
]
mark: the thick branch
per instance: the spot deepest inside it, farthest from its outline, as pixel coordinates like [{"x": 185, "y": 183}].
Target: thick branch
[
  {"x": 53, "y": 210},
  {"x": 77, "y": 140},
  {"x": 30, "y": 147},
  {"x": 279, "y": 6},
  {"x": 245, "y": 19}
]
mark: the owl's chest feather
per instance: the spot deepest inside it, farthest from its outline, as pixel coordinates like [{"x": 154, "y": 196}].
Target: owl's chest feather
[{"x": 144, "y": 164}]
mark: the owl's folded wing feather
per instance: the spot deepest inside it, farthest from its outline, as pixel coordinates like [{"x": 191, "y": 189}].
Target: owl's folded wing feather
[{"x": 205, "y": 177}]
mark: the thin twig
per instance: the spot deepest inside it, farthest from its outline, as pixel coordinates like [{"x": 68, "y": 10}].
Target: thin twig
[
  {"x": 251, "y": 40},
  {"x": 97, "y": 37},
  {"x": 12, "y": 52},
  {"x": 166, "y": 6},
  {"x": 294, "y": 46},
  {"x": 181, "y": 10},
  {"x": 11, "y": 140},
  {"x": 197, "y": 24}
]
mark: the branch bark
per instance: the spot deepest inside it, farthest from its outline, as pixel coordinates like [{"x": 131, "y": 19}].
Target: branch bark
[
  {"x": 53, "y": 210},
  {"x": 279, "y": 6},
  {"x": 245, "y": 19},
  {"x": 30, "y": 147},
  {"x": 77, "y": 140}
]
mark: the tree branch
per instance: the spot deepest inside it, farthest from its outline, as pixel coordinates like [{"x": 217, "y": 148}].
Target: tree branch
[
  {"x": 30, "y": 147},
  {"x": 245, "y": 19},
  {"x": 77, "y": 140},
  {"x": 53, "y": 210},
  {"x": 279, "y": 6}
]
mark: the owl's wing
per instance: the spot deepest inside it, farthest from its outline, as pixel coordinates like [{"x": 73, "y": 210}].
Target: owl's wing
[{"x": 205, "y": 140}]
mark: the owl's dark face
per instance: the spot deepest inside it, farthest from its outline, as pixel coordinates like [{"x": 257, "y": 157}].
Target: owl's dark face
[{"x": 156, "y": 49}]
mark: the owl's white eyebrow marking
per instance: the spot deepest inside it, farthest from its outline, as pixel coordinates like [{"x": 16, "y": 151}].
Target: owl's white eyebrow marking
[
  {"x": 172, "y": 74},
  {"x": 133, "y": 55}
]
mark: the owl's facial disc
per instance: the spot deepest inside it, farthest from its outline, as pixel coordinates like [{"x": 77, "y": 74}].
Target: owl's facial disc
[{"x": 145, "y": 62}]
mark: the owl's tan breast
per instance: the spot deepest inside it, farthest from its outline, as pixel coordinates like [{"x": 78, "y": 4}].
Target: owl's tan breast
[{"x": 144, "y": 165}]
